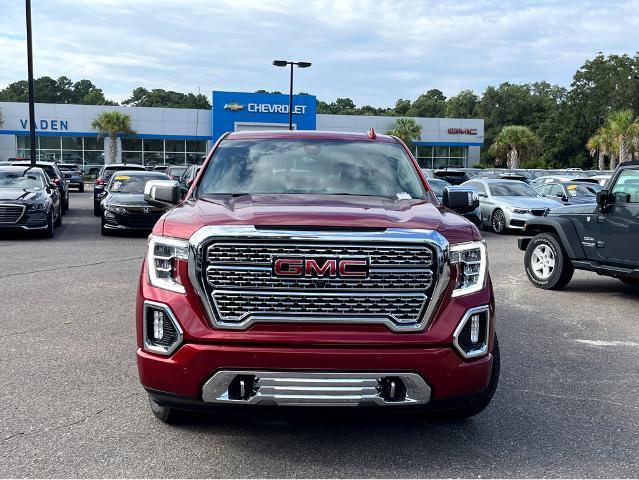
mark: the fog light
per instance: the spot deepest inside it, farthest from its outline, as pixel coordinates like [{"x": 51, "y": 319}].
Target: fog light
[
  {"x": 158, "y": 325},
  {"x": 474, "y": 328}
]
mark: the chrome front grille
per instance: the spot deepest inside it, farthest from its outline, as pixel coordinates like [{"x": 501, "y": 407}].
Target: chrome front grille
[
  {"x": 236, "y": 279},
  {"x": 261, "y": 278},
  {"x": 239, "y": 253},
  {"x": 11, "y": 213}
]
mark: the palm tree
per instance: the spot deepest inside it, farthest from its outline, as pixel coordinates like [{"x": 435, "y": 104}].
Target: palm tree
[
  {"x": 623, "y": 128},
  {"x": 407, "y": 130},
  {"x": 111, "y": 124},
  {"x": 599, "y": 144},
  {"x": 514, "y": 143}
]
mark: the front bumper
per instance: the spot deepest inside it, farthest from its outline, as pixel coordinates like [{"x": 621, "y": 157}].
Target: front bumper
[
  {"x": 185, "y": 374},
  {"x": 124, "y": 221},
  {"x": 30, "y": 220},
  {"x": 516, "y": 221}
]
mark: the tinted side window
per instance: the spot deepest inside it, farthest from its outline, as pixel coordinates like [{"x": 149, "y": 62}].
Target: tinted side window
[{"x": 626, "y": 189}]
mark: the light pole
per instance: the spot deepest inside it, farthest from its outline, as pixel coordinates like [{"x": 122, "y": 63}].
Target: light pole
[
  {"x": 32, "y": 136},
  {"x": 284, "y": 63}
]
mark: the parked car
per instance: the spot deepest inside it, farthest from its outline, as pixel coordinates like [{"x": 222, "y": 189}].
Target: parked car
[
  {"x": 570, "y": 193},
  {"x": 123, "y": 206},
  {"x": 507, "y": 204},
  {"x": 176, "y": 171},
  {"x": 387, "y": 297},
  {"x": 600, "y": 237},
  {"x": 54, "y": 173},
  {"x": 73, "y": 175},
  {"x": 29, "y": 200},
  {"x": 159, "y": 168},
  {"x": 103, "y": 178},
  {"x": 451, "y": 175}
]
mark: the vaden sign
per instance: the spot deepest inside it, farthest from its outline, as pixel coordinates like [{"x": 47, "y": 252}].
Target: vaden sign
[{"x": 50, "y": 125}]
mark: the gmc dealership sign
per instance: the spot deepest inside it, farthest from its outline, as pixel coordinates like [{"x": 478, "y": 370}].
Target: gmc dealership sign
[{"x": 462, "y": 131}]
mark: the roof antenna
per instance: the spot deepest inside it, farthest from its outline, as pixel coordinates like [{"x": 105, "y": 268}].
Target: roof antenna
[{"x": 371, "y": 134}]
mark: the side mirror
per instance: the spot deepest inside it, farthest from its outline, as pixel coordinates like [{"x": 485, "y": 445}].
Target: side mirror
[
  {"x": 603, "y": 198},
  {"x": 460, "y": 199},
  {"x": 162, "y": 193},
  {"x": 52, "y": 186},
  {"x": 482, "y": 195}
]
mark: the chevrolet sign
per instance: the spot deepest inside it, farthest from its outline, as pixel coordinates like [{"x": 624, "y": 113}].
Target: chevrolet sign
[{"x": 234, "y": 107}]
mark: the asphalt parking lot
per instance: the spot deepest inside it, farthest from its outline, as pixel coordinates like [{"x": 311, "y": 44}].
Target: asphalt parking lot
[{"x": 567, "y": 404}]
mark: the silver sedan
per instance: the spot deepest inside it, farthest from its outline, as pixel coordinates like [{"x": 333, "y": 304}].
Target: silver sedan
[{"x": 508, "y": 203}]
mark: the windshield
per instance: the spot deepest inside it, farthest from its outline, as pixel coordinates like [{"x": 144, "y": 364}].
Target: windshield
[
  {"x": 325, "y": 167},
  {"x": 581, "y": 190},
  {"x": 511, "y": 189},
  {"x": 21, "y": 180},
  {"x": 132, "y": 183}
]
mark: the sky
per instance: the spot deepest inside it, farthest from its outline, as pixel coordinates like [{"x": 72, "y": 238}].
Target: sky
[{"x": 373, "y": 51}]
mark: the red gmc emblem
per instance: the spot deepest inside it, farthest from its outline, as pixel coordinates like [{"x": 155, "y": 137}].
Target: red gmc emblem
[{"x": 321, "y": 267}]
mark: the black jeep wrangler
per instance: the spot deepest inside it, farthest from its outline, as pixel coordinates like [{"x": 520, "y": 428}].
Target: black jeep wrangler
[{"x": 601, "y": 237}]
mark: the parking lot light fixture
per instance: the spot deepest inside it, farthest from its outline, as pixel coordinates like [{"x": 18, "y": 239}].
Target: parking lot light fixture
[{"x": 284, "y": 63}]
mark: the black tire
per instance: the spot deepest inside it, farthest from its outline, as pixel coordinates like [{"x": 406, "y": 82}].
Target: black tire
[
  {"x": 480, "y": 403},
  {"x": 58, "y": 221},
  {"x": 560, "y": 272},
  {"x": 48, "y": 233},
  {"x": 81, "y": 188},
  {"x": 97, "y": 211},
  {"x": 630, "y": 281},
  {"x": 498, "y": 221},
  {"x": 66, "y": 204},
  {"x": 166, "y": 414}
]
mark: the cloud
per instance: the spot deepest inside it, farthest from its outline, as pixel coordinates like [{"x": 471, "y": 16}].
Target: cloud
[{"x": 373, "y": 51}]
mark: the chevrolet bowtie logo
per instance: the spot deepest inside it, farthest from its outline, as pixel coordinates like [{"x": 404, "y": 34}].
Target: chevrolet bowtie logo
[{"x": 234, "y": 107}]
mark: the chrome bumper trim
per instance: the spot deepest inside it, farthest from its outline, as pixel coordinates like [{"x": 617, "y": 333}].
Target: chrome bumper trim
[{"x": 315, "y": 388}]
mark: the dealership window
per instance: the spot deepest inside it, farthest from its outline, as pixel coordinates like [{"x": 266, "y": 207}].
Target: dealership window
[
  {"x": 89, "y": 151},
  {"x": 441, "y": 156},
  {"x": 81, "y": 150},
  {"x": 154, "y": 151}
]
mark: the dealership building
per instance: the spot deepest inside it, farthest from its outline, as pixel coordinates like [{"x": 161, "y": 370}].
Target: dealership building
[{"x": 183, "y": 136}]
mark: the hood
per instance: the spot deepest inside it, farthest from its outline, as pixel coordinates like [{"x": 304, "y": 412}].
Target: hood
[
  {"x": 316, "y": 211},
  {"x": 126, "y": 198},
  {"x": 20, "y": 195},
  {"x": 585, "y": 208},
  {"x": 527, "y": 202}
]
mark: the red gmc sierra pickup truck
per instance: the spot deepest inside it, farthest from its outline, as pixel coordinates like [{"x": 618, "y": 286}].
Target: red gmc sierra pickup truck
[{"x": 316, "y": 269}]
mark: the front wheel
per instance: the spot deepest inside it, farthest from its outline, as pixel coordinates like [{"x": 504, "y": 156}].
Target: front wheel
[
  {"x": 48, "y": 233},
  {"x": 546, "y": 262},
  {"x": 58, "y": 221},
  {"x": 96, "y": 209},
  {"x": 483, "y": 400},
  {"x": 498, "y": 221},
  {"x": 81, "y": 188},
  {"x": 165, "y": 414}
]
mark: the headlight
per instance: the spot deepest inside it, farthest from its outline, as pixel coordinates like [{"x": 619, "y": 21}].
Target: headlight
[
  {"x": 520, "y": 211},
  {"x": 162, "y": 262},
  {"x": 37, "y": 206},
  {"x": 114, "y": 208},
  {"x": 472, "y": 264}
]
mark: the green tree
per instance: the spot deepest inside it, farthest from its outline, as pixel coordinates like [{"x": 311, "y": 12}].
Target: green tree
[
  {"x": 431, "y": 104},
  {"x": 514, "y": 143},
  {"x": 111, "y": 124},
  {"x": 141, "y": 97},
  {"x": 462, "y": 105},
  {"x": 600, "y": 144},
  {"x": 402, "y": 106},
  {"x": 407, "y": 130}
]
